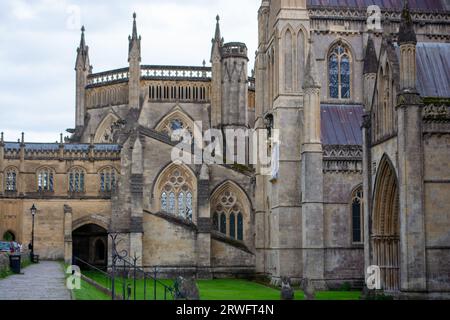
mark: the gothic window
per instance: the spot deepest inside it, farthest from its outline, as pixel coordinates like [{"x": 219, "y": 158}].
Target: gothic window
[
  {"x": 176, "y": 196},
  {"x": 233, "y": 226},
  {"x": 339, "y": 72},
  {"x": 76, "y": 180},
  {"x": 45, "y": 178},
  {"x": 240, "y": 227},
  {"x": 216, "y": 221},
  {"x": 175, "y": 122},
  {"x": 357, "y": 212},
  {"x": 11, "y": 180},
  {"x": 108, "y": 180},
  {"x": 223, "y": 223},
  {"x": 228, "y": 207}
]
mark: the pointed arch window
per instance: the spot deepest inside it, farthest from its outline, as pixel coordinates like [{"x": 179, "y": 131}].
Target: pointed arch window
[
  {"x": 108, "y": 180},
  {"x": 357, "y": 220},
  {"x": 11, "y": 180},
  {"x": 176, "y": 196},
  {"x": 339, "y": 72},
  {"x": 45, "y": 179},
  {"x": 228, "y": 206},
  {"x": 76, "y": 180}
]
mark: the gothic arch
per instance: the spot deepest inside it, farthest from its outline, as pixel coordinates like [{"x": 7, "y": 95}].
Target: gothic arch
[
  {"x": 386, "y": 225},
  {"x": 288, "y": 36},
  {"x": 166, "y": 125},
  {"x": 94, "y": 219},
  {"x": 104, "y": 131},
  {"x": 175, "y": 192},
  {"x": 342, "y": 59},
  {"x": 231, "y": 205}
]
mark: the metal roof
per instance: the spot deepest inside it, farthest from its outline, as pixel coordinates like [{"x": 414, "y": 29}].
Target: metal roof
[
  {"x": 341, "y": 124},
  {"x": 433, "y": 69},
  {"x": 415, "y": 5}
]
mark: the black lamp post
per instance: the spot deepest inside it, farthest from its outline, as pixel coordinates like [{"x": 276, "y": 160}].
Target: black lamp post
[{"x": 33, "y": 213}]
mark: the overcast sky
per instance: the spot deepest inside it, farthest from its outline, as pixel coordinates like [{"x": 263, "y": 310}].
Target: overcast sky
[{"x": 39, "y": 40}]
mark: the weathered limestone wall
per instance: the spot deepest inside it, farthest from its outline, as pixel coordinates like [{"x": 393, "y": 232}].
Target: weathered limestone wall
[
  {"x": 344, "y": 260},
  {"x": 227, "y": 260},
  {"x": 49, "y": 221},
  {"x": 167, "y": 244},
  {"x": 437, "y": 211}
]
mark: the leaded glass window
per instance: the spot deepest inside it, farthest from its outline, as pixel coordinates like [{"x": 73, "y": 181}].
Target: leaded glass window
[
  {"x": 223, "y": 223},
  {"x": 45, "y": 180},
  {"x": 216, "y": 221},
  {"x": 76, "y": 180},
  {"x": 164, "y": 201},
  {"x": 240, "y": 227},
  {"x": 229, "y": 208},
  {"x": 339, "y": 72},
  {"x": 108, "y": 180},
  {"x": 11, "y": 180},
  {"x": 232, "y": 226},
  {"x": 177, "y": 197}
]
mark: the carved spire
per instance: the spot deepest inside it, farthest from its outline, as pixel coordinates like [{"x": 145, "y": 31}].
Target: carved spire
[
  {"x": 370, "y": 58},
  {"x": 82, "y": 53},
  {"x": 406, "y": 33},
  {"x": 311, "y": 76},
  {"x": 217, "y": 42},
  {"x": 135, "y": 42}
]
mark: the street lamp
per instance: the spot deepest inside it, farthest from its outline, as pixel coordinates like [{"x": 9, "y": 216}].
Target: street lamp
[{"x": 33, "y": 213}]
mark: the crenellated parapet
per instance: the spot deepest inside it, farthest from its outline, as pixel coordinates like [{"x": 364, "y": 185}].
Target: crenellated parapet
[{"x": 62, "y": 152}]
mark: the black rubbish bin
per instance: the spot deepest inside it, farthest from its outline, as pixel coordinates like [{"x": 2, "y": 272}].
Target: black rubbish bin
[{"x": 14, "y": 263}]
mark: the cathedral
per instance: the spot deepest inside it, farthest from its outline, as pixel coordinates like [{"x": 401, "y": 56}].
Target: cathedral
[{"x": 360, "y": 162}]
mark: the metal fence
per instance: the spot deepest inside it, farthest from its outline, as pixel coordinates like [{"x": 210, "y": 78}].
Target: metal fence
[{"x": 124, "y": 278}]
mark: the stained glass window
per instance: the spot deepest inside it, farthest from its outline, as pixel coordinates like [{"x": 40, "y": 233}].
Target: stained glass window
[
  {"x": 45, "y": 180},
  {"x": 11, "y": 180},
  {"x": 339, "y": 72},
  {"x": 189, "y": 206}
]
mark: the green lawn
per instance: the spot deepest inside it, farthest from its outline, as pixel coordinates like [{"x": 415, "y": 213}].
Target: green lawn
[{"x": 219, "y": 289}]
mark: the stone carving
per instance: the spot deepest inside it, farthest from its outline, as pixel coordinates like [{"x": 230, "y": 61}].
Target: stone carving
[
  {"x": 287, "y": 292},
  {"x": 186, "y": 289},
  {"x": 308, "y": 289}
]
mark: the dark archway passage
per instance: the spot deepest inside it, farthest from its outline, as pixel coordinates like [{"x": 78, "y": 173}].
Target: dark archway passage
[
  {"x": 90, "y": 244},
  {"x": 386, "y": 227},
  {"x": 9, "y": 236}
]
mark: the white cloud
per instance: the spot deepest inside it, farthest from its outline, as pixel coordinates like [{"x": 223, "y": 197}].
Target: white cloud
[{"x": 37, "y": 54}]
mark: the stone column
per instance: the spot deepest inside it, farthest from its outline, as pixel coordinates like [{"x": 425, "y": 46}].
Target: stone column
[
  {"x": 204, "y": 226},
  {"x": 137, "y": 190},
  {"x": 367, "y": 190},
  {"x": 312, "y": 178},
  {"x": 68, "y": 234}
]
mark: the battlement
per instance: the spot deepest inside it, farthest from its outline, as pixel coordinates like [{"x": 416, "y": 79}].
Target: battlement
[
  {"x": 33, "y": 151},
  {"x": 234, "y": 50}
]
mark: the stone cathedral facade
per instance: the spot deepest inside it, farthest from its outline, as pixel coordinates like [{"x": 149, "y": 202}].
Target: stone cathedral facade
[{"x": 362, "y": 175}]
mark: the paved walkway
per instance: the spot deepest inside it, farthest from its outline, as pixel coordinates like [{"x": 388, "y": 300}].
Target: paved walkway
[{"x": 43, "y": 281}]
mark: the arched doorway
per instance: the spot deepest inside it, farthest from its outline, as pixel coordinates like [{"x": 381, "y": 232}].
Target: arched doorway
[
  {"x": 90, "y": 245},
  {"x": 9, "y": 236},
  {"x": 386, "y": 227}
]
